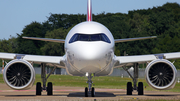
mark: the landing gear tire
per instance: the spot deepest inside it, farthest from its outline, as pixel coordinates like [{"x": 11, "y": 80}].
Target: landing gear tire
[
  {"x": 140, "y": 88},
  {"x": 129, "y": 88},
  {"x": 93, "y": 92},
  {"x": 86, "y": 92},
  {"x": 38, "y": 88},
  {"x": 49, "y": 88}
]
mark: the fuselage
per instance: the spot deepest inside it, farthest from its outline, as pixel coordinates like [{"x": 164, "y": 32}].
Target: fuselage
[{"x": 89, "y": 48}]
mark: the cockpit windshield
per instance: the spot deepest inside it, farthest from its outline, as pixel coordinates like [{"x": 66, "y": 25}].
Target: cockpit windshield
[{"x": 89, "y": 37}]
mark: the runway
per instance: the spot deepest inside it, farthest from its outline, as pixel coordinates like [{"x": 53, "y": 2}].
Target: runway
[{"x": 77, "y": 94}]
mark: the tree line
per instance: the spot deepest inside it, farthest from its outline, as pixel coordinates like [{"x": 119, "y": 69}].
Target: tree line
[{"x": 162, "y": 21}]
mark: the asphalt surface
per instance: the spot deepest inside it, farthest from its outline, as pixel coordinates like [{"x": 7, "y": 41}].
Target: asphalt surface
[{"x": 77, "y": 94}]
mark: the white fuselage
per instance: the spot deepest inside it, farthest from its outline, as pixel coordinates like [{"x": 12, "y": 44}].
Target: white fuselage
[{"x": 92, "y": 55}]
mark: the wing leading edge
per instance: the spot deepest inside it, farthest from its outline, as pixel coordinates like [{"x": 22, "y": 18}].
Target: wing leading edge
[
  {"x": 130, "y": 60},
  {"x": 45, "y": 39},
  {"x": 57, "y": 61},
  {"x": 134, "y": 39}
]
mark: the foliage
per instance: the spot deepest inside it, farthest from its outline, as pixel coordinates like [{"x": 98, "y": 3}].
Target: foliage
[
  {"x": 34, "y": 29},
  {"x": 8, "y": 46},
  {"x": 54, "y": 49}
]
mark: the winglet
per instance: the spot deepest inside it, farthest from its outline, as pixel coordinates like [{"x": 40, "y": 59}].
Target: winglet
[{"x": 89, "y": 10}]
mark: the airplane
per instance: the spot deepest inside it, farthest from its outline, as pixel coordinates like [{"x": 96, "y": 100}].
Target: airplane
[{"x": 89, "y": 51}]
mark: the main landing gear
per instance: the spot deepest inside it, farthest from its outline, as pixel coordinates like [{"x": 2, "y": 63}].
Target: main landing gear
[
  {"x": 130, "y": 89},
  {"x": 49, "y": 88},
  {"x": 89, "y": 89}
]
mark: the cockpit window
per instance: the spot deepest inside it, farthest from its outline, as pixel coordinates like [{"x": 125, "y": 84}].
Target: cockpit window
[
  {"x": 82, "y": 37},
  {"x": 89, "y": 37}
]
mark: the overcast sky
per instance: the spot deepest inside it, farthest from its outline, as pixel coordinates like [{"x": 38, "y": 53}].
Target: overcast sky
[{"x": 16, "y": 14}]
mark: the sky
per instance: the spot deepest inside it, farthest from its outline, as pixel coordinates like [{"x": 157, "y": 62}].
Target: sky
[{"x": 16, "y": 14}]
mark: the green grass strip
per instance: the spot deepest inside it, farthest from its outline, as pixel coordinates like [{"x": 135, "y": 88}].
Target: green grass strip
[{"x": 110, "y": 82}]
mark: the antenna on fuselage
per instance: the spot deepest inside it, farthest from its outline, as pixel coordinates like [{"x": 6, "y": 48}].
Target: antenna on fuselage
[{"x": 89, "y": 10}]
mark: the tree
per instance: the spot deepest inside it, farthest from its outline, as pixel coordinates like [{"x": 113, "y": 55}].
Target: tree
[
  {"x": 25, "y": 46},
  {"x": 55, "y": 49},
  {"x": 8, "y": 46}
]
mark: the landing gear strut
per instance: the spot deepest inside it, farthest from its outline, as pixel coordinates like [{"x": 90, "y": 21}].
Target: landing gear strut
[
  {"x": 90, "y": 89},
  {"x": 140, "y": 88},
  {"x": 49, "y": 87}
]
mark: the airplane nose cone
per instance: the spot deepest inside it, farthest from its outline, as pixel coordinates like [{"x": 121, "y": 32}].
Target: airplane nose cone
[
  {"x": 92, "y": 57},
  {"x": 91, "y": 52}
]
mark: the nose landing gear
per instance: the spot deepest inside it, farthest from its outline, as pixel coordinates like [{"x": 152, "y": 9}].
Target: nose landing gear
[{"x": 89, "y": 89}]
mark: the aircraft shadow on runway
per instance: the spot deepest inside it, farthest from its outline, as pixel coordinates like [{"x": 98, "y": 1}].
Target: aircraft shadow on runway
[
  {"x": 97, "y": 94},
  {"x": 74, "y": 94},
  {"x": 20, "y": 95}
]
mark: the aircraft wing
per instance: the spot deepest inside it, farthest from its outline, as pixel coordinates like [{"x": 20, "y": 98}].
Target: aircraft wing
[
  {"x": 130, "y": 60},
  {"x": 134, "y": 39},
  {"x": 45, "y": 39},
  {"x": 37, "y": 59}
]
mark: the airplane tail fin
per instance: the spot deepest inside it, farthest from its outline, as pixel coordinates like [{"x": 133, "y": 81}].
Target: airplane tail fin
[{"x": 89, "y": 10}]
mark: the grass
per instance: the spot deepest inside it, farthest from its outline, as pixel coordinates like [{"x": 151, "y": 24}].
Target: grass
[{"x": 99, "y": 82}]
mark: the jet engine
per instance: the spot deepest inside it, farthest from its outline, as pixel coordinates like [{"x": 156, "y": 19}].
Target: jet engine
[
  {"x": 19, "y": 74},
  {"x": 161, "y": 74}
]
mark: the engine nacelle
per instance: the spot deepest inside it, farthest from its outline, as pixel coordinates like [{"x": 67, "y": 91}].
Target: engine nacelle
[
  {"x": 161, "y": 74},
  {"x": 19, "y": 74}
]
